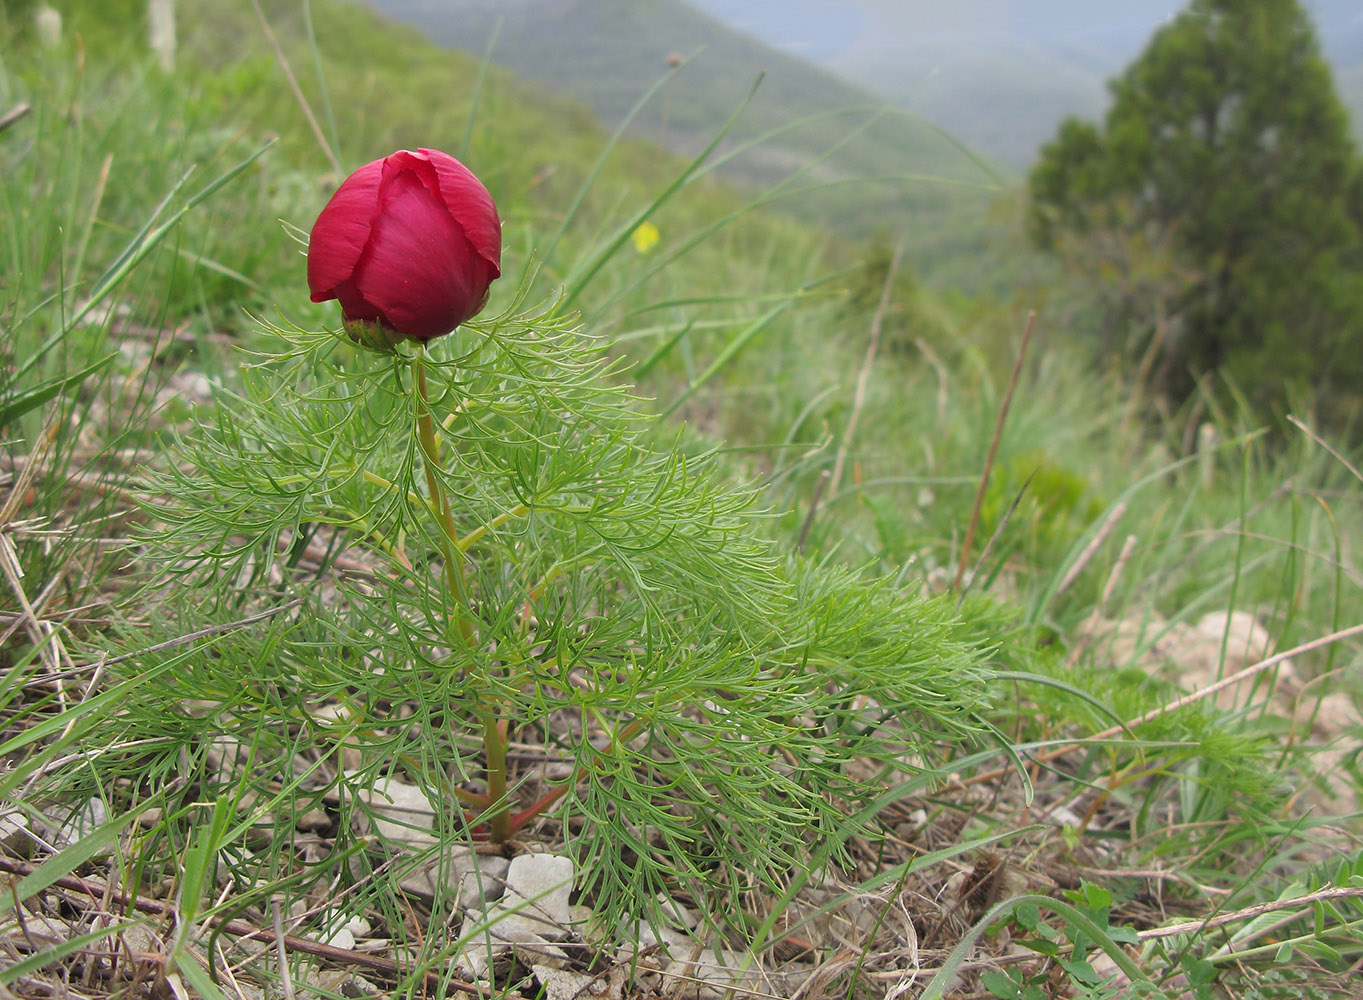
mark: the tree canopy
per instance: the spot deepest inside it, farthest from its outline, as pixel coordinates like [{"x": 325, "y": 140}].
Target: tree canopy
[{"x": 1219, "y": 207}]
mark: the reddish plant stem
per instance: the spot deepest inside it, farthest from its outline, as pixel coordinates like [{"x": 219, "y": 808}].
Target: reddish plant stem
[{"x": 522, "y": 818}]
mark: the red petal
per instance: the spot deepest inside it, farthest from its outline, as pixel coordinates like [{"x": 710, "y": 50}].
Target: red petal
[
  {"x": 471, "y": 206},
  {"x": 354, "y": 306},
  {"x": 418, "y": 270},
  {"x": 339, "y": 235}
]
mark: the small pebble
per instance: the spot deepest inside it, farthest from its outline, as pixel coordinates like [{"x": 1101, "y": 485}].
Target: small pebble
[{"x": 314, "y": 821}]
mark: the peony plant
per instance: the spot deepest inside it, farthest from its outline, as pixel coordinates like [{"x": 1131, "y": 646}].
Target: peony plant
[
  {"x": 539, "y": 564},
  {"x": 410, "y": 245}
]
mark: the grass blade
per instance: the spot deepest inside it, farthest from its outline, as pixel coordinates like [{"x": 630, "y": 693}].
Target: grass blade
[
  {"x": 583, "y": 275},
  {"x": 477, "y": 95},
  {"x": 730, "y": 352},
  {"x": 68, "y": 860},
  {"x": 571, "y": 214},
  {"x": 25, "y": 402}
]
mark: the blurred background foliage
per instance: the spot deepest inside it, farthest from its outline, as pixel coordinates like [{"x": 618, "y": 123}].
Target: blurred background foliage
[{"x": 1217, "y": 212}]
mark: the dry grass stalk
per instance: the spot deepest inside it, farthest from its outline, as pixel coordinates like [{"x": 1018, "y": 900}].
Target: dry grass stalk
[
  {"x": 297, "y": 90},
  {"x": 1253, "y": 670},
  {"x": 993, "y": 450},
  {"x": 864, "y": 376},
  {"x": 1092, "y": 547},
  {"x": 92, "y": 890}
]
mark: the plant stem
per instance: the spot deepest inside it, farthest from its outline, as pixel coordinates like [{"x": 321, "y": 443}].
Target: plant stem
[
  {"x": 497, "y": 814},
  {"x": 494, "y": 746},
  {"x": 864, "y": 376},
  {"x": 440, "y": 503}
]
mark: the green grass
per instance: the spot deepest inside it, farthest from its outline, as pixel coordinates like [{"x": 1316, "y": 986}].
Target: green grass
[{"x": 169, "y": 672}]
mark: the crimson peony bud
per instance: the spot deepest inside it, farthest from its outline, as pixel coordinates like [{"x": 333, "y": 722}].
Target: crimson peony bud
[{"x": 409, "y": 245}]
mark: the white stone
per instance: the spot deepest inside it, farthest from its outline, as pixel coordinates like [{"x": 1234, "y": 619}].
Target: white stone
[
  {"x": 675, "y": 945},
  {"x": 14, "y": 833},
  {"x": 1063, "y": 815},
  {"x": 342, "y": 938},
  {"x": 226, "y": 752},
  {"x": 564, "y": 984},
  {"x": 341, "y": 929},
  {"x": 83, "y": 822},
  {"x": 475, "y": 879},
  {"x": 339, "y": 981},
  {"x": 139, "y": 939},
  {"x": 402, "y": 812},
  {"x": 1198, "y": 655},
  {"x": 688, "y": 965},
  {"x": 38, "y": 929},
  {"x": 540, "y": 884},
  {"x": 679, "y": 914},
  {"x": 531, "y": 914},
  {"x": 483, "y": 879},
  {"x": 313, "y": 820},
  {"x": 704, "y": 977}
]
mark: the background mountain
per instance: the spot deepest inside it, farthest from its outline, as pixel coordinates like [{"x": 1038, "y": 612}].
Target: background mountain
[
  {"x": 1000, "y": 74},
  {"x": 865, "y": 167},
  {"x": 990, "y": 75}
]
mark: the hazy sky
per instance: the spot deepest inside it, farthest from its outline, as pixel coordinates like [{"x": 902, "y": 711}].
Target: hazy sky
[{"x": 825, "y": 29}]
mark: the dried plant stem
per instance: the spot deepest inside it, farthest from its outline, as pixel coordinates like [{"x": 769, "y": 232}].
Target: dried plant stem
[
  {"x": 1091, "y": 627},
  {"x": 1325, "y": 893},
  {"x": 494, "y": 746},
  {"x": 104, "y": 895},
  {"x": 993, "y": 450},
  {"x": 1254, "y": 669},
  {"x": 819, "y": 487},
  {"x": 297, "y": 90},
  {"x": 943, "y": 380},
  {"x": 993, "y": 539},
  {"x": 1334, "y": 453},
  {"x": 14, "y": 114},
  {"x": 864, "y": 376},
  {"x": 1147, "y": 364},
  {"x": 1092, "y": 547},
  {"x": 282, "y": 950}
]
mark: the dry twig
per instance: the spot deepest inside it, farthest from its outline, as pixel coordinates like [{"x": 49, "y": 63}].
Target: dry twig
[
  {"x": 240, "y": 929},
  {"x": 993, "y": 450},
  {"x": 864, "y": 376}
]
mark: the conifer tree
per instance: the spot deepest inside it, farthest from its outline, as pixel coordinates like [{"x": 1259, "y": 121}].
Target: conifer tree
[{"x": 1219, "y": 207}]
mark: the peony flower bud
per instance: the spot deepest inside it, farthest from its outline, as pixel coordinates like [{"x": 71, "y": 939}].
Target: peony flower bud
[{"x": 409, "y": 245}]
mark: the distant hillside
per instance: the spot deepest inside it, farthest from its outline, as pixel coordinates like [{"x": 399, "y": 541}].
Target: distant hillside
[
  {"x": 1005, "y": 100},
  {"x": 901, "y": 174},
  {"x": 1009, "y": 100},
  {"x": 1001, "y": 79}
]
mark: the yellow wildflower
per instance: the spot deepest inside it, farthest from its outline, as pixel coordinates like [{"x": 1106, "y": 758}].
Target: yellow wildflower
[{"x": 645, "y": 237}]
